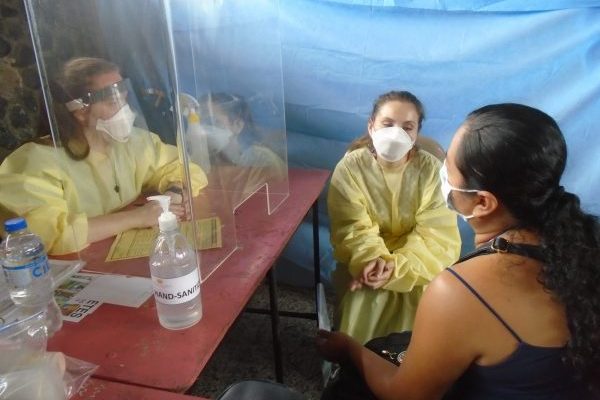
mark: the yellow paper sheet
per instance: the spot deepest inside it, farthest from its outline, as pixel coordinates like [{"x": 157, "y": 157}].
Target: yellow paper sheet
[{"x": 137, "y": 243}]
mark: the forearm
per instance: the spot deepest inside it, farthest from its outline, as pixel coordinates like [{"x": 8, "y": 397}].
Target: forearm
[
  {"x": 423, "y": 256},
  {"x": 105, "y": 226},
  {"x": 377, "y": 372},
  {"x": 357, "y": 251}
]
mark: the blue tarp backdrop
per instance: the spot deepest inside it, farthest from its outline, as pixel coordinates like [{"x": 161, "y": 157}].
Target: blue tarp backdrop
[{"x": 339, "y": 55}]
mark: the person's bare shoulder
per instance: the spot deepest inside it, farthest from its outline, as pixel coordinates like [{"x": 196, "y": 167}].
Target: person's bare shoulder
[{"x": 449, "y": 302}]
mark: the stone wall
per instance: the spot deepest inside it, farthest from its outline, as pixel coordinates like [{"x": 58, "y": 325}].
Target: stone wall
[{"x": 21, "y": 97}]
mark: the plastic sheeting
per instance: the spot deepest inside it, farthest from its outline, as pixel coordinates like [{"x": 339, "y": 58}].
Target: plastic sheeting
[
  {"x": 474, "y": 5},
  {"x": 339, "y": 55},
  {"x": 187, "y": 85}
]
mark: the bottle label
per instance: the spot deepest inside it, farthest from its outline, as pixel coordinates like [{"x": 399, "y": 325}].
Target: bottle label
[
  {"x": 23, "y": 275},
  {"x": 177, "y": 290}
]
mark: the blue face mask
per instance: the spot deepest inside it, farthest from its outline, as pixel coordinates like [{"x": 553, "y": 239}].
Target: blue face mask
[{"x": 447, "y": 188}]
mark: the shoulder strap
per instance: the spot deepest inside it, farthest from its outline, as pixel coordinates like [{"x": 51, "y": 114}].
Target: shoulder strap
[
  {"x": 485, "y": 303},
  {"x": 501, "y": 245}
]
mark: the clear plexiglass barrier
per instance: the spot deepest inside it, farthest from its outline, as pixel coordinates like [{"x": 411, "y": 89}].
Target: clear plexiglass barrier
[
  {"x": 182, "y": 98},
  {"x": 228, "y": 62}
]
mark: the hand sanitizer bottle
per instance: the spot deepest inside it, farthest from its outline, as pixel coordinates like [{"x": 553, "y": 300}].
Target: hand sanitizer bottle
[{"x": 175, "y": 274}]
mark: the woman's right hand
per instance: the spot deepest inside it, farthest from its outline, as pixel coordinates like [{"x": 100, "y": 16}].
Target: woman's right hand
[
  {"x": 375, "y": 274},
  {"x": 379, "y": 274},
  {"x": 333, "y": 346},
  {"x": 146, "y": 215},
  {"x": 138, "y": 216}
]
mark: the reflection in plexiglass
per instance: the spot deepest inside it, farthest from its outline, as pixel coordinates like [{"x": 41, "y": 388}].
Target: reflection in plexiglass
[
  {"x": 177, "y": 97},
  {"x": 228, "y": 57}
]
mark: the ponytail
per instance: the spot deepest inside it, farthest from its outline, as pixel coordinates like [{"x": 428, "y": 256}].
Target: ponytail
[
  {"x": 532, "y": 151},
  {"x": 70, "y": 131},
  {"x": 571, "y": 243}
]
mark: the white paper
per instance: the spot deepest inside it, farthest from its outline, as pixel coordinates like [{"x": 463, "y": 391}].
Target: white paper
[
  {"x": 62, "y": 269},
  {"x": 323, "y": 320},
  {"x": 128, "y": 291},
  {"x": 323, "y": 323}
]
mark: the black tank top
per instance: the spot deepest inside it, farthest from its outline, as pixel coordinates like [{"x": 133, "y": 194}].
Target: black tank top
[{"x": 530, "y": 372}]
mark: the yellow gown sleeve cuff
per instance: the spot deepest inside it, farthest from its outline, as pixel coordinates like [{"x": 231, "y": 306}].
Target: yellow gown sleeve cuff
[{"x": 71, "y": 237}]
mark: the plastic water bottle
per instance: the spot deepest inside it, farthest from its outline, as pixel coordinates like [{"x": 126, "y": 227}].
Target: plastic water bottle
[
  {"x": 175, "y": 275},
  {"x": 27, "y": 272}
]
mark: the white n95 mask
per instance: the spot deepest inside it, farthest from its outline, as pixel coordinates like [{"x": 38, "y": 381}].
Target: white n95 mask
[
  {"x": 447, "y": 188},
  {"x": 119, "y": 126},
  {"x": 222, "y": 141},
  {"x": 218, "y": 138},
  {"x": 392, "y": 143}
]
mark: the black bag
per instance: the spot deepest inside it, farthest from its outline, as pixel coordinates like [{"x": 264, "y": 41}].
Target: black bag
[{"x": 346, "y": 383}]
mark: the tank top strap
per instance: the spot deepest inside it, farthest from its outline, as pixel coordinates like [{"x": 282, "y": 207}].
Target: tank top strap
[{"x": 485, "y": 303}]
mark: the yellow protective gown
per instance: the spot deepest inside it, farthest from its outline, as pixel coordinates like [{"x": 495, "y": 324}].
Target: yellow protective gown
[
  {"x": 57, "y": 194},
  {"x": 397, "y": 215},
  {"x": 261, "y": 165},
  {"x": 256, "y": 166}
]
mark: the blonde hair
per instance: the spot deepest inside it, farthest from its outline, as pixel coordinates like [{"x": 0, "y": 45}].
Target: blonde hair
[{"x": 73, "y": 83}]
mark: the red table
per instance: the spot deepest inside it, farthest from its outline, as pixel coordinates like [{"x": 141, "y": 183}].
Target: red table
[
  {"x": 98, "y": 389},
  {"x": 131, "y": 347}
]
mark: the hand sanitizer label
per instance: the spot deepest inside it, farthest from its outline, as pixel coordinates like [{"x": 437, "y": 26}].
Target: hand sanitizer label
[{"x": 177, "y": 290}]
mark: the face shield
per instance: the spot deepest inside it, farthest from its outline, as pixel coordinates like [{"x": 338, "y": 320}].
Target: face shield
[
  {"x": 113, "y": 95},
  {"x": 221, "y": 110}
]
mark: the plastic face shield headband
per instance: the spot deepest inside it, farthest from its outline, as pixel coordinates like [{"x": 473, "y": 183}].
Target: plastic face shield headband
[
  {"x": 115, "y": 93},
  {"x": 215, "y": 109}
]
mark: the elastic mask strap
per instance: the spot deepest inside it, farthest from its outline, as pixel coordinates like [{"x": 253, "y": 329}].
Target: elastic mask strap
[{"x": 463, "y": 190}]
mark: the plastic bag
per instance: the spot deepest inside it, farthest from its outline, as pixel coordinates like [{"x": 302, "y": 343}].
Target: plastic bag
[{"x": 28, "y": 372}]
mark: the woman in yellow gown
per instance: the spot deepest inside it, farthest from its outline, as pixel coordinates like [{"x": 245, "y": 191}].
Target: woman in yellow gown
[
  {"x": 74, "y": 195},
  {"x": 390, "y": 229}
]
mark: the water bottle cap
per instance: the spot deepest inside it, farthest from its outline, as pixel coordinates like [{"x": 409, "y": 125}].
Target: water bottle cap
[{"x": 15, "y": 224}]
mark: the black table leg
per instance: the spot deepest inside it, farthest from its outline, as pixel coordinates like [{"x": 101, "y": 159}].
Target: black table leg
[
  {"x": 274, "y": 308},
  {"x": 316, "y": 252}
]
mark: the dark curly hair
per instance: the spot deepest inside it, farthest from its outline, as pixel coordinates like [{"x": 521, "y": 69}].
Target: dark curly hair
[{"x": 519, "y": 154}]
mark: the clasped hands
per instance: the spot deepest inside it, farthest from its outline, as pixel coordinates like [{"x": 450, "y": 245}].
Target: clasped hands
[{"x": 374, "y": 275}]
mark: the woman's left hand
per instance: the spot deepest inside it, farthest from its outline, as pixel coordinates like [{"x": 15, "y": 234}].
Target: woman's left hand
[
  {"x": 178, "y": 204},
  {"x": 377, "y": 275},
  {"x": 333, "y": 346},
  {"x": 378, "y": 279}
]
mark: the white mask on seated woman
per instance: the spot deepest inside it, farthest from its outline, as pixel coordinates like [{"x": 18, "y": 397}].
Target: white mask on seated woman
[
  {"x": 119, "y": 126},
  {"x": 447, "y": 188},
  {"x": 392, "y": 143}
]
